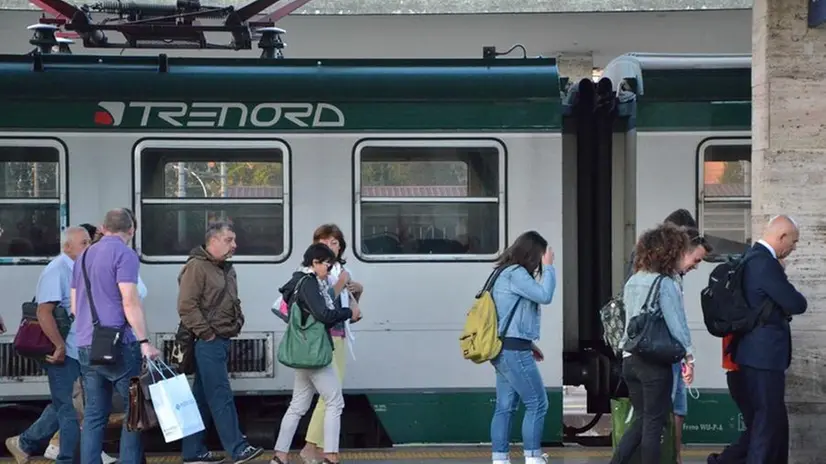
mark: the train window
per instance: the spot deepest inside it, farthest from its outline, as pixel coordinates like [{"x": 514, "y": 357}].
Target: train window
[
  {"x": 32, "y": 190},
  {"x": 185, "y": 185},
  {"x": 429, "y": 199},
  {"x": 725, "y": 196}
]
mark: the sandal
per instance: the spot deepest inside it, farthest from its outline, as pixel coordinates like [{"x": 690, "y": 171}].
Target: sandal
[{"x": 308, "y": 459}]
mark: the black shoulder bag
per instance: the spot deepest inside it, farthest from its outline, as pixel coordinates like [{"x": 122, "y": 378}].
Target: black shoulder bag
[
  {"x": 106, "y": 341},
  {"x": 648, "y": 334}
]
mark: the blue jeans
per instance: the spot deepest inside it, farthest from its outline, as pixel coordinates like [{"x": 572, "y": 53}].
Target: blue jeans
[
  {"x": 517, "y": 377},
  {"x": 60, "y": 414},
  {"x": 216, "y": 402},
  {"x": 98, "y": 383},
  {"x": 679, "y": 397}
]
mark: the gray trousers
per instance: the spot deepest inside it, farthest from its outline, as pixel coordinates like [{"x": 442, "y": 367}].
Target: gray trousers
[{"x": 307, "y": 383}]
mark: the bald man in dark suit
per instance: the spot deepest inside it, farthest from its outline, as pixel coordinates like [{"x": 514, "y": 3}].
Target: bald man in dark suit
[{"x": 765, "y": 353}]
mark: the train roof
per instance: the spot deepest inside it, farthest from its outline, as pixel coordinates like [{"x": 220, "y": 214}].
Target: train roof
[
  {"x": 687, "y": 91},
  {"x": 355, "y": 94}
]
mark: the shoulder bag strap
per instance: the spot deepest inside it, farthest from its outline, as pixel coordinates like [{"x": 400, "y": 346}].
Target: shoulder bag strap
[
  {"x": 652, "y": 299},
  {"x": 95, "y": 319},
  {"x": 655, "y": 299},
  {"x": 294, "y": 297}
]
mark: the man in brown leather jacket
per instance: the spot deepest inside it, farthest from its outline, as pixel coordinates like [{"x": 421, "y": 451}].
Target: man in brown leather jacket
[{"x": 209, "y": 307}]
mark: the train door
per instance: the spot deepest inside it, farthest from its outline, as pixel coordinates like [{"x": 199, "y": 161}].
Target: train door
[{"x": 599, "y": 196}]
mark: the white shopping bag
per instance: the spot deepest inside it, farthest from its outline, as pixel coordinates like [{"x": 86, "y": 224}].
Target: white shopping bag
[{"x": 175, "y": 406}]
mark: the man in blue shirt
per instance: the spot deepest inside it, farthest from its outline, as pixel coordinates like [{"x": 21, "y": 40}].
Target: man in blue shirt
[{"x": 62, "y": 368}]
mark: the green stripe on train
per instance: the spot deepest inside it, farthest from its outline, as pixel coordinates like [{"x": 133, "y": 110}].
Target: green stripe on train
[
  {"x": 453, "y": 417},
  {"x": 464, "y": 417},
  {"x": 712, "y": 418}
]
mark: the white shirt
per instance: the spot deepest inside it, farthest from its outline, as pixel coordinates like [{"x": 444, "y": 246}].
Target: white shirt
[
  {"x": 771, "y": 249},
  {"x": 336, "y": 271}
]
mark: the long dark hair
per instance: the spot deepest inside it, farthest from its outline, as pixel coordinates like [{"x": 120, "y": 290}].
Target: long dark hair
[{"x": 526, "y": 251}]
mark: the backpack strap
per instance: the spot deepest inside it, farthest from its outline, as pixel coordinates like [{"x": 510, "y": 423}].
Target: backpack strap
[
  {"x": 510, "y": 315},
  {"x": 491, "y": 280}
]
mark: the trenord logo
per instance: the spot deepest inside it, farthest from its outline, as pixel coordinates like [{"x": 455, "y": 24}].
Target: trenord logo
[{"x": 233, "y": 115}]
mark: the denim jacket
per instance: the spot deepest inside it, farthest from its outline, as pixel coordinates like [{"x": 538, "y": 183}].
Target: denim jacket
[
  {"x": 517, "y": 290},
  {"x": 671, "y": 303}
]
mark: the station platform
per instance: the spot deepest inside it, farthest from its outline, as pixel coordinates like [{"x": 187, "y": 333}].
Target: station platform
[{"x": 458, "y": 455}]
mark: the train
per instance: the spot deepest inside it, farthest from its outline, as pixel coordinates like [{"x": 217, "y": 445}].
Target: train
[{"x": 431, "y": 167}]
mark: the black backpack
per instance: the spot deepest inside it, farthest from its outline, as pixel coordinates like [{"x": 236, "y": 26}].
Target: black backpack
[{"x": 725, "y": 309}]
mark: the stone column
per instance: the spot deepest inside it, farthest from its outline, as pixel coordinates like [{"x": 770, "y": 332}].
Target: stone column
[
  {"x": 789, "y": 171},
  {"x": 575, "y": 66}
]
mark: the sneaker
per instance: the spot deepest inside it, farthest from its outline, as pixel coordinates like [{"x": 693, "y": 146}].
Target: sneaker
[
  {"x": 107, "y": 459},
  {"x": 249, "y": 453},
  {"x": 52, "y": 452},
  {"x": 537, "y": 460},
  {"x": 207, "y": 458},
  {"x": 13, "y": 445}
]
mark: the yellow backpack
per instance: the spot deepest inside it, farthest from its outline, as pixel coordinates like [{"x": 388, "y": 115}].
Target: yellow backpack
[{"x": 480, "y": 341}]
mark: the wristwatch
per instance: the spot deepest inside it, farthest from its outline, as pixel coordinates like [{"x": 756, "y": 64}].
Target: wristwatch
[{"x": 141, "y": 342}]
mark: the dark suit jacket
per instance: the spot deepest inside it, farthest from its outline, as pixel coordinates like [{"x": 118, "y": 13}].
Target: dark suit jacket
[{"x": 768, "y": 346}]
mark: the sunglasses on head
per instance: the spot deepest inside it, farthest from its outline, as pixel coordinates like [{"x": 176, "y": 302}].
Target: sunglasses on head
[
  {"x": 699, "y": 240},
  {"x": 326, "y": 263}
]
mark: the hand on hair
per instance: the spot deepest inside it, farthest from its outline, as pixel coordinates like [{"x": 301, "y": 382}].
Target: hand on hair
[{"x": 548, "y": 257}]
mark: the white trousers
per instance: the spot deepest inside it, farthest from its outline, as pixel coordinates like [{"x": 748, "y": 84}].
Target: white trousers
[{"x": 307, "y": 383}]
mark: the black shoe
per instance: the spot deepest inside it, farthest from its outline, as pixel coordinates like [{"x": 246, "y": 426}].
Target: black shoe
[
  {"x": 250, "y": 453},
  {"x": 208, "y": 458}
]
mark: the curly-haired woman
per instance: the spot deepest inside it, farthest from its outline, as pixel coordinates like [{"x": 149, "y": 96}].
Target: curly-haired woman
[{"x": 659, "y": 251}]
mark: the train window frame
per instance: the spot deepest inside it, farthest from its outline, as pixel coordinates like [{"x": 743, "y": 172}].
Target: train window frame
[
  {"x": 703, "y": 200},
  {"x": 62, "y": 199},
  {"x": 225, "y": 145},
  {"x": 500, "y": 199}
]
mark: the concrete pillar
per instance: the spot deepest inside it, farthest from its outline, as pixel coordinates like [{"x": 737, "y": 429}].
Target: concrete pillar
[
  {"x": 576, "y": 66},
  {"x": 789, "y": 170}
]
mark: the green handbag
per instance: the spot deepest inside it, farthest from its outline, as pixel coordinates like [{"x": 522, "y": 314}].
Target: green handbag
[
  {"x": 304, "y": 346},
  {"x": 622, "y": 413}
]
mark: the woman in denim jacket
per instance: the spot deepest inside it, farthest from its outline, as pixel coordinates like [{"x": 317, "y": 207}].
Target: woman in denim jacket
[
  {"x": 518, "y": 296},
  {"x": 659, "y": 251}
]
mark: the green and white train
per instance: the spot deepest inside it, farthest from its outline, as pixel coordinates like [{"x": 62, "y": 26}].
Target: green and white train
[{"x": 431, "y": 167}]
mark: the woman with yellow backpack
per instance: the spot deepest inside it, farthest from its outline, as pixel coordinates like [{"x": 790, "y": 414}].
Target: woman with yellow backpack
[{"x": 524, "y": 279}]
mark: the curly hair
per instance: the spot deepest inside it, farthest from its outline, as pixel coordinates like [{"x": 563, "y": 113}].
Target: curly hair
[{"x": 660, "y": 249}]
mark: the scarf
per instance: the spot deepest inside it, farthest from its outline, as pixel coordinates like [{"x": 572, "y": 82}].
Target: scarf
[{"x": 323, "y": 286}]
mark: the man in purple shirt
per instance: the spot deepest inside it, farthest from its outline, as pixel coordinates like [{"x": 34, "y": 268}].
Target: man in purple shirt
[{"x": 112, "y": 268}]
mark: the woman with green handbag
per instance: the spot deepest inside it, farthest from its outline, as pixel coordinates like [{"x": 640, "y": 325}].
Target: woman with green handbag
[{"x": 307, "y": 347}]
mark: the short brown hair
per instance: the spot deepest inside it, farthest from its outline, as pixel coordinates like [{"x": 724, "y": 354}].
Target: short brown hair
[
  {"x": 660, "y": 250},
  {"x": 326, "y": 231}
]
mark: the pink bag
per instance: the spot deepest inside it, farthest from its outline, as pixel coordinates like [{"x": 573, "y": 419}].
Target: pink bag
[{"x": 280, "y": 309}]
